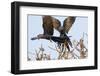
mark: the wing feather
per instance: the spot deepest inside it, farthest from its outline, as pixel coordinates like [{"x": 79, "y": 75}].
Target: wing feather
[
  {"x": 48, "y": 25},
  {"x": 56, "y": 23},
  {"x": 68, "y": 22}
]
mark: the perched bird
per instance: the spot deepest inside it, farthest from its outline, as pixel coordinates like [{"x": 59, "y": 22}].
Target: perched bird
[{"x": 50, "y": 23}]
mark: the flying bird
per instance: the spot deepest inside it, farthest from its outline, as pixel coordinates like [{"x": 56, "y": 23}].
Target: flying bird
[{"x": 50, "y": 23}]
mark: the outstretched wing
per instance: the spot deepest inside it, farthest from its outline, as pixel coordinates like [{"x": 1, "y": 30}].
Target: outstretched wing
[
  {"x": 68, "y": 22},
  {"x": 56, "y": 23},
  {"x": 48, "y": 25}
]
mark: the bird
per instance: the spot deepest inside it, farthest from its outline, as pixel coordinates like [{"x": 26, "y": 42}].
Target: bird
[{"x": 50, "y": 23}]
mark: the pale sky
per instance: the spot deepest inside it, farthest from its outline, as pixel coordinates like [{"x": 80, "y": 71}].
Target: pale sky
[{"x": 35, "y": 27}]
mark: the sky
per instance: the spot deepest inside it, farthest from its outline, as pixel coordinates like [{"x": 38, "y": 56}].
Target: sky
[{"x": 35, "y": 27}]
